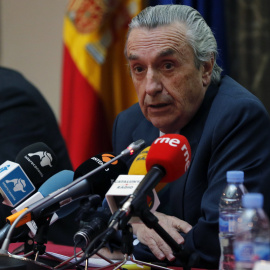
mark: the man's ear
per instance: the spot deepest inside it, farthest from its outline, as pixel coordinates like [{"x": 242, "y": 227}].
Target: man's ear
[{"x": 207, "y": 71}]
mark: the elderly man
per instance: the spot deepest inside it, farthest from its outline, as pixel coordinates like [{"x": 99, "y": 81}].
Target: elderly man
[{"x": 172, "y": 54}]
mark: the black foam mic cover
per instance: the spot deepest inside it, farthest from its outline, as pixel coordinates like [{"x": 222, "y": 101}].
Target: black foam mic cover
[
  {"x": 38, "y": 162},
  {"x": 101, "y": 181}
]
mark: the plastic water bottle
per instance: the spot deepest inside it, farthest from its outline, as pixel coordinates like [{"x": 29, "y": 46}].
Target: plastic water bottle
[
  {"x": 252, "y": 242},
  {"x": 230, "y": 208}
]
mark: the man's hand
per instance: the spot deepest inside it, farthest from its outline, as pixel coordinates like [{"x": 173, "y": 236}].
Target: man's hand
[{"x": 156, "y": 244}]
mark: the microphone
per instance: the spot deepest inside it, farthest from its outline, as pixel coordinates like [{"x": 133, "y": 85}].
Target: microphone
[
  {"x": 98, "y": 220},
  {"x": 35, "y": 162},
  {"x": 168, "y": 158},
  {"x": 95, "y": 222},
  {"x": 133, "y": 147},
  {"x": 54, "y": 183},
  {"x": 138, "y": 167},
  {"x": 103, "y": 179},
  {"x": 38, "y": 161},
  {"x": 77, "y": 189},
  {"x": 126, "y": 184},
  {"x": 171, "y": 152}
]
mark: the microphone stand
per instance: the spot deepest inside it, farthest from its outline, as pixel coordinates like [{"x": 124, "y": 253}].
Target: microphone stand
[
  {"x": 133, "y": 147},
  {"x": 43, "y": 224},
  {"x": 40, "y": 238},
  {"x": 127, "y": 249},
  {"x": 29, "y": 247}
]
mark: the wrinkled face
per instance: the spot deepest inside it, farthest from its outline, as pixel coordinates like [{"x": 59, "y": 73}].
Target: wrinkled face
[{"x": 170, "y": 88}]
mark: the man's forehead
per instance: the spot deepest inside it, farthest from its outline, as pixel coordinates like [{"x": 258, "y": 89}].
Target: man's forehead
[
  {"x": 162, "y": 53},
  {"x": 158, "y": 50}
]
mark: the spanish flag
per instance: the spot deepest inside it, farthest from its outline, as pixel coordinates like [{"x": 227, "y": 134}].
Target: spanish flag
[{"x": 96, "y": 84}]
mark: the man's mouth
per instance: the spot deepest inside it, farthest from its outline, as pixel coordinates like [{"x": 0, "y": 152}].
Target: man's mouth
[{"x": 160, "y": 105}]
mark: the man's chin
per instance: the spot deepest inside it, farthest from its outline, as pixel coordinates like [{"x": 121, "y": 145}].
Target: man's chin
[
  {"x": 162, "y": 124},
  {"x": 162, "y": 128},
  {"x": 166, "y": 129}
]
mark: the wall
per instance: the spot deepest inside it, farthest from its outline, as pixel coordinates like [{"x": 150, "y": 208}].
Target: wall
[{"x": 31, "y": 42}]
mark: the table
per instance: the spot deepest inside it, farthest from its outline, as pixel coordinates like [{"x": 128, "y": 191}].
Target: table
[{"x": 48, "y": 262}]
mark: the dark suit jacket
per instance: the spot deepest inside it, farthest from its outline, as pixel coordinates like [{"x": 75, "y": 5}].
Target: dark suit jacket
[
  {"x": 231, "y": 131},
  {"x": 26, "y": 118}
]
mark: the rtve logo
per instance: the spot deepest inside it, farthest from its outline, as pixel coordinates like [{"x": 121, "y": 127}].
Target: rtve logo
[{"x": 174, "y": 142}]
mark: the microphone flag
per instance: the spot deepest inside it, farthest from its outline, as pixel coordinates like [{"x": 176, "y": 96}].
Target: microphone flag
[
  {"x": 15, "y": 186},
  {"x": 125, "y": 185}
]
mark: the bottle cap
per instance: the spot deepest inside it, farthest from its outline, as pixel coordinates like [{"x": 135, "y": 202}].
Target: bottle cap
[
  {"x": 252, "y": 200},
  {"x": 235, "y": 176}
]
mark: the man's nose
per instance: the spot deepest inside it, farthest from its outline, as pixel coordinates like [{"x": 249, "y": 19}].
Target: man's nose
[{"x": 153, "y": 83}]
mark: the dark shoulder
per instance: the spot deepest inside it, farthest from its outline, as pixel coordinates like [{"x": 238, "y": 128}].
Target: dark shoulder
[
  {"x": 11, "y": 78},
  {"x": 232, "y": 90},
  {"x": 235, "y": 109},
  {"x": 130, "y": 117},
  {"x": 124, "y": 126},
  {"x": 233, "y": 97},
  {"x": 134, "y": 110},
  {"x": 16, "y": 90}
]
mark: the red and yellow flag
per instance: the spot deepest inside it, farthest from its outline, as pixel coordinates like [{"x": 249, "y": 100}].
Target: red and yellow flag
[{"x": 96, "y": 84}]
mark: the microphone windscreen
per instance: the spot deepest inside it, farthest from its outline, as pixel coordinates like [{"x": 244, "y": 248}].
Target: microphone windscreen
[
  {"x": 173, "y": 153},
  {"x": 38, "y": 162},
  {"x": 55, "y": 182},
  {"x": 138, "y": 166},
  {"x": 102, "y": 180}
]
